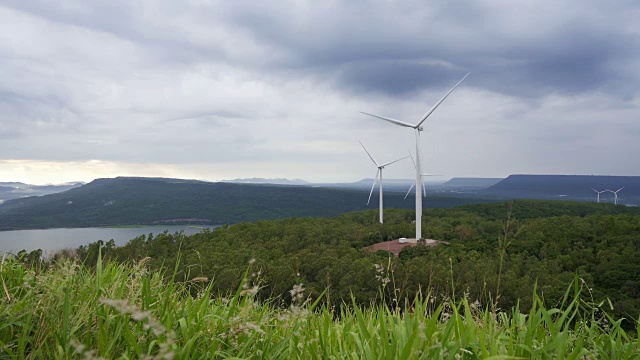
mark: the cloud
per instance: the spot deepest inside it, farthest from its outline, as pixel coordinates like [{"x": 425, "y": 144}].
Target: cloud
[
  {"x": 277, "y": 88},
  {"x": 529, "y": 48}
]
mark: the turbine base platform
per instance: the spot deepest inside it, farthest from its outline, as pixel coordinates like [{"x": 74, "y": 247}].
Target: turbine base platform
[{"x": 395, "y": 246}]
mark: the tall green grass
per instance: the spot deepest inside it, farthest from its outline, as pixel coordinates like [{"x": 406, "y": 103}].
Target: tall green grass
[{"x": 124, "y": 311}]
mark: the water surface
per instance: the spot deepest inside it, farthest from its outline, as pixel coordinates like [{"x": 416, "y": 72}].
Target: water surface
[{"x": 51, "y": 240}]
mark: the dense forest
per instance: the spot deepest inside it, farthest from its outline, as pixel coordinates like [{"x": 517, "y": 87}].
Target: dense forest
[{"x": 494, "y": 253}]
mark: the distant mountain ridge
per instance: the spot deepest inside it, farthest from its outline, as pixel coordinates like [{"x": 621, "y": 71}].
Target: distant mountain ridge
[
  {"x": 154, "y": 179},
  {"x": 276, "y": 181},
  {"x": 394, "y": 181},
  {"x": 574, "y": 186},
  {"x": 127, "y": 200},
  {"x": 14, "y": 184},
  {"x": 139, "y": 200},
  {"x": 472, "y": 182},
  {"x": 15, "y": 190}
]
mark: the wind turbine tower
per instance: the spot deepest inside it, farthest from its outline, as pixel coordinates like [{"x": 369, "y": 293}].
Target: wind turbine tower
[
  {"x": 615, "y": 193},
  {"x": 378, "y": 173},
  {"x": 417, "y": 129},
  {"x": 599, "y": 192}
]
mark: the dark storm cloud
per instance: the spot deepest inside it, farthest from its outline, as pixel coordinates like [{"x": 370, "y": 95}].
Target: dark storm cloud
[
  {"x": 396, "y": 77},
  {"x": 369, "y": 47},
  {"x": 572, "y": 62}
]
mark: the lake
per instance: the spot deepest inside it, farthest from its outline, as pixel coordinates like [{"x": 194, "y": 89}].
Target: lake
[{"x": 51, "y": 240}]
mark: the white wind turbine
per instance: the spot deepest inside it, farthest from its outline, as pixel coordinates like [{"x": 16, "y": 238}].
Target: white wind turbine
[
  {"x": 615, "y": 193},
  {"x": 418, "y": 128},
  {"x": 424, "y": 191},
  {"x": 378, "y": 174},
  {"x": 599, "y": 192}
]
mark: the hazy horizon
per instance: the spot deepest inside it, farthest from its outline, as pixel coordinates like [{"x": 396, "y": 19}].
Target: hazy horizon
[{"x": 436, "y": 180}]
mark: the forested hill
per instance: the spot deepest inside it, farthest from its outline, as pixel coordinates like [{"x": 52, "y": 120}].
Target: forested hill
[
  {"x": 123, "y": 201},
  {"x": 574, "y": 186}
]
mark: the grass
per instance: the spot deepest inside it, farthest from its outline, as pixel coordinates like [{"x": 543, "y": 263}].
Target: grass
[{"x": 125, "y": 311}]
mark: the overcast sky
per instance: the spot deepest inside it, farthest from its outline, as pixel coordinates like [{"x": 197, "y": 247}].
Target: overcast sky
[{"x": 226, "y": 89}]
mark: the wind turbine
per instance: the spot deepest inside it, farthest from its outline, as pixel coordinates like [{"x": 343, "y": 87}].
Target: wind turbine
[
  {"x": 418, "y": 128},
  {"x": 424, "y": 191},
  {"x": 378, "y": 173},
  {"x": 599, "y": 192},
  {"x": 615, "y": 193}
]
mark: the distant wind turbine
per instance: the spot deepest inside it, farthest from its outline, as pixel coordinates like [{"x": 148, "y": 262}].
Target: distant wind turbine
[
  {"x": 378, "y": 173},
  {"x": 424, "y": 191},
  {"x": 615, "y": 193},
  {"x": 418, "y": 128},
  {"x": 599, "y": 192}
]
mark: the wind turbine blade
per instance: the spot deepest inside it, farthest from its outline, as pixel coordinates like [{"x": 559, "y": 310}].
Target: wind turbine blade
[
  {"x": 594, "y": 189},
  {"x": 424, "y": 190},
  {"x": 370, "y": 157},
  {"x": 391, "y": 162},
  {"x": 412, "y": 185},
  {"x": 620, "y": 189},
  {"x": 440, "y": 102},
  {"x": 431, "y": 175},
  {"x": 397, "y": 122},
  {"x": 412, "y": 160},
  {"x": 375, "y": 179}
]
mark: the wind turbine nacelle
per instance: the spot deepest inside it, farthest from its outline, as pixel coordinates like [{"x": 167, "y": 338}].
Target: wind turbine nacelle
[{"x": 420, "y": 128}]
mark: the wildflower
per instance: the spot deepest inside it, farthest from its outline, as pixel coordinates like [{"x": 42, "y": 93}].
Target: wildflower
[
  {"x": 82, "y": 351},
  {"x": 445, "y": 317},
  {"x": 380, "y": 271},
  {"x": 250, "y": 291},
  {"x": 297, "y": 293}
]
